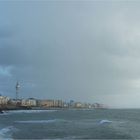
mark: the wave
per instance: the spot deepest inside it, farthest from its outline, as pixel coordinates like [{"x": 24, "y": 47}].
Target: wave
[
  {"x": 41, "y": 121},
  {"x": 6, "y": 133},
  {"x": 114, "y": 122},
  {"x": 105, "y": 122},
  {"x": 27, "y": 111}
]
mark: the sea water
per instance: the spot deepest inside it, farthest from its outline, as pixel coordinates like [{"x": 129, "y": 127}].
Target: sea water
[{"x": 70, "y": 124}]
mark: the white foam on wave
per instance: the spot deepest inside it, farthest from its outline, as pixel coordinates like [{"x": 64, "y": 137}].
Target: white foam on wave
[
  {"x": 6, "y": 133},
  {"x": 36, "y": 121},
  {"x": 105, "y": 122},
  {"x": 28, "y": 111},
  {"x": 41, "y": 121}
]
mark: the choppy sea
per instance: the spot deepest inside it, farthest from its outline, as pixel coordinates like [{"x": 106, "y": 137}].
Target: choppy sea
[{"x": 70, "y": 124}]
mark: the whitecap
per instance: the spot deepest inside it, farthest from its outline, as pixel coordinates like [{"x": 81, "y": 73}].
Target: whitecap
[
  {"x": 28, "y": 111},
  {"x": 41, "y": 121},
  {"x": 105, "y": 122}
]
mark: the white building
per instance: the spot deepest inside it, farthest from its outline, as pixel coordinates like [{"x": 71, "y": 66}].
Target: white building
[
  {"x": 28, "y": 102},
  {"x": 78, "y": 105},
  {"x": 4, "y": 100}
]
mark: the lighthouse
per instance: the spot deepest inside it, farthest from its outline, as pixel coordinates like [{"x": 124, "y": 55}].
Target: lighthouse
[{"x": 17, "y": 90}]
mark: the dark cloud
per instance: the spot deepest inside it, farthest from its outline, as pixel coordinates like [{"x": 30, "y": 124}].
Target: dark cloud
[{"x": 72, "y": 50}]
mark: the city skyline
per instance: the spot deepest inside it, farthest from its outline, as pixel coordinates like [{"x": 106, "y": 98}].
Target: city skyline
[{"x": 80, "y": 50}]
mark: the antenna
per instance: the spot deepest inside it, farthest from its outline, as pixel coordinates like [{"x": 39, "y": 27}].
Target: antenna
[{"x": 17, "y": 90}]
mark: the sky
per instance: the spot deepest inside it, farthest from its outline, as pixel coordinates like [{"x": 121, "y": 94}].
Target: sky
[{"x": 86, "y": 51}]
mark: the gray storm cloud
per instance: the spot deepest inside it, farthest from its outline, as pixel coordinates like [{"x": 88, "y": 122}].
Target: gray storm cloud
[{"x": 86, "y": 51}]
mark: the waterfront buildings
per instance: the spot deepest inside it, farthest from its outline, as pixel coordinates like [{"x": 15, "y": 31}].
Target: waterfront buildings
[
  {"x": 17, "y": 103},
  {"x": 7, "y": 103}
]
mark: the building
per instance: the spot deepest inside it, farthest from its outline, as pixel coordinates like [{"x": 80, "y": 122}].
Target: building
[
  {"x": 58, "y": 103},
  {"x": 28, "y": 102},
  {"x": 50, "y": 103},
  {"x": 78, "y": 105},
  {"x": 71, "y": 104},
  {"x": 45, "y": 103},
  {"x": 97, "y": 105},
  {"x": 4, "y": 100},
  {"x": 65, "y": 104},
  {"x": 14, "y": 102}
]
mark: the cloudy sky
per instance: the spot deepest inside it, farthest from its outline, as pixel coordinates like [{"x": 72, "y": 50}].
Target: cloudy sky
[{"x": 82, "y": 50}]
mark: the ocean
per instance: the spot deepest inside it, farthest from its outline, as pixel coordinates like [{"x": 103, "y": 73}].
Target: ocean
[{"x": 70, "y": 124}]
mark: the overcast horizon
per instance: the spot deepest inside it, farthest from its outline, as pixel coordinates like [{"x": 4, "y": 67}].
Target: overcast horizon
[{"x": 85, "y": 51}]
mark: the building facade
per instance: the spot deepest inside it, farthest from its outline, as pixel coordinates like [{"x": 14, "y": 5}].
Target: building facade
[
  {"x": 4, "y": 100},
  {"x": 28, "y": 102}
]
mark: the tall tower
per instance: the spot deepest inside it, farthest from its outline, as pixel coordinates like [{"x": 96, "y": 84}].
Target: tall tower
[{"x": 17, "y": 90}]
